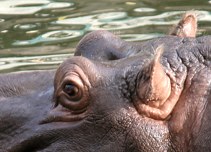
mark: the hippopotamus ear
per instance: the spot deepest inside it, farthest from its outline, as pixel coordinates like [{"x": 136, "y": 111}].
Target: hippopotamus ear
[
  {"x": 157, "y": 90},
  {"x": 187, "y": 26},
  {"x": 154, "y": 84}
]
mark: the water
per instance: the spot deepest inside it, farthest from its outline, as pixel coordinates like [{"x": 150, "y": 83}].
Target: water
[{"x": 40, "y": 34}]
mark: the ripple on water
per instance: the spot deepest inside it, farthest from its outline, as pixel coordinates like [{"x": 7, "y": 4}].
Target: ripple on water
[
  {"x": 144, "y": 10},
  {"x": 18, "y": 62},
  {"x": 27, "y": 7},
  {"x": 119, "y": 20},
  {"x": 51, "y": 37},
  {"x": 137, "y": 37},
  {"x": 107, "y": 17},
  {"x": 26, "y": 26},
  {"x": 54, "y": 22},
  {"x": 204, "y": 16}
]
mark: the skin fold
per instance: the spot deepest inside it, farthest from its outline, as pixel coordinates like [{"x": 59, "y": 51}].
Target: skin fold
[{"x": 114, "y": 95}]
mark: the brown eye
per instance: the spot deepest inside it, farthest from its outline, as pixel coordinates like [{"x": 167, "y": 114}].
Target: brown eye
[
  {"x": 74, "y": 92},
  {"x": 71, "y": 90}
]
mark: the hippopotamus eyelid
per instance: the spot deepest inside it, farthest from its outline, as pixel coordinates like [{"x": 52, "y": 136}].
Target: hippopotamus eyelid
[{"x": 78, "y": 99}]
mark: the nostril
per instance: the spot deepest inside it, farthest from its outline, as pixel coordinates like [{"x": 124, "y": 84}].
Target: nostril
[{"x": 112, "y": 56}]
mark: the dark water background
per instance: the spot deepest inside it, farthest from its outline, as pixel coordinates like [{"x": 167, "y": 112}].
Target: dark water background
[{"x": 40, "y": 34}]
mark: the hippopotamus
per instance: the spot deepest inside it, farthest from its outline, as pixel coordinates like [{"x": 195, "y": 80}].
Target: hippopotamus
[{"x": 114, "y": 96}]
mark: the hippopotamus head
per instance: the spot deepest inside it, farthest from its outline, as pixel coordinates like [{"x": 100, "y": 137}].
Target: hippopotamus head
[{"x": 114, "y": 95}]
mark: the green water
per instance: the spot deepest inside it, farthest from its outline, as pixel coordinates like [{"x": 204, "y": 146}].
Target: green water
[{"x": 40, "y": 34}]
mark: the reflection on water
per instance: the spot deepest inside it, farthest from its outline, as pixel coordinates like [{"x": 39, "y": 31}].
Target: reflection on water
[
  {"x": 51, "y": 37},
  {"x": 23, "y": 7},
  {"x": 144, "y": 10},
  {"x": 40, "y": 34},
  {"x": 27, "y": 61},
  {"x": 119, "y": 21}
]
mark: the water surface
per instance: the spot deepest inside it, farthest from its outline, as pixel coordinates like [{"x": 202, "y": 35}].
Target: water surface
[{"x": 40, "y": 34}]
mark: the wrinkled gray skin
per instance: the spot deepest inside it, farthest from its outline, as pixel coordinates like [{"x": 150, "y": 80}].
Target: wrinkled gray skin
[{"x": 110, "y": 121}]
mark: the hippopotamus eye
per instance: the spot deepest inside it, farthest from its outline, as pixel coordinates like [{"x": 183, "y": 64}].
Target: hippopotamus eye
[
  {"x": 71, "y": 89},
  {"x": 72, "y": 92}
]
